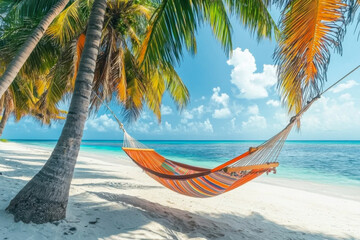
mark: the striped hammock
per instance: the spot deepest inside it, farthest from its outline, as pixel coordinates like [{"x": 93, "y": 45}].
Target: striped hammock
[{"x": 202, "y": 182}]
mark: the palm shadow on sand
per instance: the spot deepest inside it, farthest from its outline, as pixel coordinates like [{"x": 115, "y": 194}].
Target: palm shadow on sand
[{"x": 223, "y": 226}]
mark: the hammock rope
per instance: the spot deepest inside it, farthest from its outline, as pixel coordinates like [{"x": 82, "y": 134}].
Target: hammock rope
[{"x": 202, "y": 182}]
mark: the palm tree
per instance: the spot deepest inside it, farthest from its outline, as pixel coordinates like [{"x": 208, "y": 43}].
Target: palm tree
[
  {"x": 24, "y": 52},
  {"x": 45, "y": 197}
]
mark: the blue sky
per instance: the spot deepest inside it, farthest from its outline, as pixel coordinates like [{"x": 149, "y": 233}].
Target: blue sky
[{"x": 232, "y": 98}]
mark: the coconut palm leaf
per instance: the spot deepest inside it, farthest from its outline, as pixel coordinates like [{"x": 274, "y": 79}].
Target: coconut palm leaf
[
  {"x": 59, "y": 81},
  {"x": 255, "y": 16},
  {"x": 310, "y": 28},
  {"x": 42, "y": 58},
  {"x": 71, "y": 22},
  {"x": 26, "y": 8},
  {"x": 173, "y": 27},
  {"x": 176, "y": 87}
]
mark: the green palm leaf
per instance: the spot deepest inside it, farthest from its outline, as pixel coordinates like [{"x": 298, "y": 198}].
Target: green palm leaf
[
  {"x": 70, "y": 22},
  {"x": 255, "y": 16},
  {"x": 173, "y": 26}
]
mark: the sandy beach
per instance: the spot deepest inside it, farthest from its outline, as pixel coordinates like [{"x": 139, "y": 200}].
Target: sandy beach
[{"x": 111, "y": 198}]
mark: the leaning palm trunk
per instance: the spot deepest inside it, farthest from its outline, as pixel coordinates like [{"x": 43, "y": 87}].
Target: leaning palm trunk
[
  {"x": 4, "y": 119},
  {"x": 45, "y": 197},
  {"x": 22, "y": 55}
]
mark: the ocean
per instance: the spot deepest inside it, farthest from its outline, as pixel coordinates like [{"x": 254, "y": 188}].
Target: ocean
[{"x": 330, "y": 162}]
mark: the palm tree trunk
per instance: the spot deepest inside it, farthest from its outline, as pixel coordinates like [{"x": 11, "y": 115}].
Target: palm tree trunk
[
  {"x": 4, "y": 119},
  {"x": 45, "y": 197},
  {"x": 22, "y": 55}
]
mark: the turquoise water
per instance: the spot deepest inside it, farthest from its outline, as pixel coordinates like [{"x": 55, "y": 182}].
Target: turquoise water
[{"x": 332, "y": 162}]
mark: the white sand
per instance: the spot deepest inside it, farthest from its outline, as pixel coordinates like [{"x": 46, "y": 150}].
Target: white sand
[{"x": 116, "y": 200}]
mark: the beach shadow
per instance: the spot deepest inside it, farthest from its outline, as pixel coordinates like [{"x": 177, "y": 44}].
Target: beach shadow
[
  {"x": 90, "y": 173},
  {"x": 19, "y": 168},
  {"x": 119, "y": 185},
  {"x": 21, "y": 154},
  {"x": 216, "y": 226},
  {"x": 20, "y": 165}
]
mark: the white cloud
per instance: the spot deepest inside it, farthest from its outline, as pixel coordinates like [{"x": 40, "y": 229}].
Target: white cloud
[
  {"x": 205, "y": 126},
  {"x": 221, "y": 113},
  {"x": 186, "y": 115},
  {"x": 221, "y": 100},
  {"x": 190, "y": 127},
  {"x": 255, "y": 122},
  {"x": 281, "y": 119},
  {"x": 168, "y": 126},
  {"x": 165, "y": 110},
  {"x": 236, "y": 109},
  {"x": 143, "y": 128},
  {"x": 102, "y": 123},
  {"x": 333, "y": 114},
  {"x": 253, "y": 110},
  {"x": 345, "y": 97},
  {"x": 250, "y": 84},
  {"x": 343, "y": 86},
  {"x": 273, "y": 103},
  {"x": 198, "y": 111}
]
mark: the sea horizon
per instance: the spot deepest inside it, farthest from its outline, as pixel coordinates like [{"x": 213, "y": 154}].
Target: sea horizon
[{"x": 199, "y": 140}]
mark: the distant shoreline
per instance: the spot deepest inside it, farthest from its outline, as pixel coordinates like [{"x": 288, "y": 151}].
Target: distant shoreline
[{"x": 163, "y": 140}]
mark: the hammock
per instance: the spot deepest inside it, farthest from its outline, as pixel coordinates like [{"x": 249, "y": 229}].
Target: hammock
[{"x": 202, "y": 182}]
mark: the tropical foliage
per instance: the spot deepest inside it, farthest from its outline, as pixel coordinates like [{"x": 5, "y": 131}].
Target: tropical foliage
[
  {"x": 23, "y": 99},
  {"x": 26, "y": 49},
  {"x": 310, "y": 30},
  {"x": 24, "y": 94},
  {"x": 131, "y": 63}
]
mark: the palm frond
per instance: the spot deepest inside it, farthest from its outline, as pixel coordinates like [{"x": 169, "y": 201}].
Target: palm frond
[
  {"x": 310, "y": 28},
  {"x": 135, "y": 88},
  {"x": 214, "y": 12},
  {"x": 21, "y": 97},
  {"x": 79, "y": 48},
  {"x": 26, "y": 8},
  {"x": 173, "y": 26},
  {"x": 59, "y": 80},
  {"x": 176, "y": 87},
  {"x": 255, "y": 16},
  {"x": 40, "y": 60},
  {"x": 154, "y": 91},
  {"x": 70, "y": 22}
]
